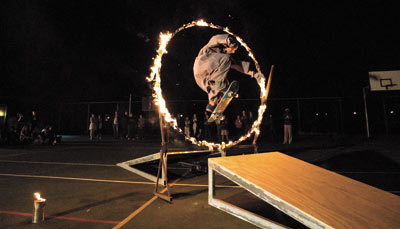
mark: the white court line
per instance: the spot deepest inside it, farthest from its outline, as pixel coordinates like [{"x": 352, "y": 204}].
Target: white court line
[
  {"x": 69, "y": 163},
  {"x": 112, "y": 165},
  {"x": 108, "y": 181},
  {"x": 124, "y": 182},
  {"x": 57, "y": 163},
  {"x": 145, "y": 205},
  {"x": 74, "y": 178}
]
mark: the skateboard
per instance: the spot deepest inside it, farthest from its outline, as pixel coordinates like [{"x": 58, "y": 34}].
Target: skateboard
[{"x": 224, "y": 102}]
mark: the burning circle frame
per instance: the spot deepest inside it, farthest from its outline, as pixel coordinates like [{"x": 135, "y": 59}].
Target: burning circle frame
[{"x": 158, "y": 100}]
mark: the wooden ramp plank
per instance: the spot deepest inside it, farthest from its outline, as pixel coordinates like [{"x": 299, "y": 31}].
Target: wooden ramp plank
[{"x": 309, "y": 193}]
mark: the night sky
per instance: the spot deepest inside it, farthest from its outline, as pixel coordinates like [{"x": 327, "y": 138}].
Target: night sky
[{"x": 75, "y": 51}]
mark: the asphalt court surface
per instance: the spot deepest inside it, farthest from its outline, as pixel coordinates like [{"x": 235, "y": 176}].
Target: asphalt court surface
[{"x": 85, "y": 189}]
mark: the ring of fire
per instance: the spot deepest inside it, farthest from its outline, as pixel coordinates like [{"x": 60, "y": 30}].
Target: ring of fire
[{"x": 155, "y": 79}]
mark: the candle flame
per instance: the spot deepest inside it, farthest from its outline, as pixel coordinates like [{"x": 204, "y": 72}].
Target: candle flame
[
  {"x": 37, "y": 197},
  {"x": 158, "y": 99}
]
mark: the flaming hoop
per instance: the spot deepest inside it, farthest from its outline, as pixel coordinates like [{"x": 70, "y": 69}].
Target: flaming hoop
[{"x": 155, "y": 79}]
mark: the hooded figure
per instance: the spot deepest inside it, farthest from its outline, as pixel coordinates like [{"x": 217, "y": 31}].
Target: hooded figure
[{"x": 212, "y": 65}]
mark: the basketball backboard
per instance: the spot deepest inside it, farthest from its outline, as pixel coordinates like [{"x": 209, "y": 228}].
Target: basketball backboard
[{"x": 384, "y": 80}]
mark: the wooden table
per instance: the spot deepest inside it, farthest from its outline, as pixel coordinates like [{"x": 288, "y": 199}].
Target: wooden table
[{"x": 316, "y": 197}]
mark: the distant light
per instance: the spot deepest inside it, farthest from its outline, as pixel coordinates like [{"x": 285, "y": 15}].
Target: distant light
[
  {"x": 326, "y": 114},
  {"x": 354, "y": 113},
  {"x": 316, "y": 114},
  {"x": 1, "y": 113},
  {"x": 391, "y": 112}
]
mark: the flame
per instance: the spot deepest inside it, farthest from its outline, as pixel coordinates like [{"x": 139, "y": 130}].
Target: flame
[
  {"x": 37, "y": 197},
  {"x": 158, "y": 99},
  {"x": 201, "y": 22}
]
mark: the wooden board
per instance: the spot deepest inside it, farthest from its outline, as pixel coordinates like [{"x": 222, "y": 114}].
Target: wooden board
[{"x": 314, "y": 196}]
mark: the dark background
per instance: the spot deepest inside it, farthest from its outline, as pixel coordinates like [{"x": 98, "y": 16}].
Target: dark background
[{"x": 74, "y": 51}]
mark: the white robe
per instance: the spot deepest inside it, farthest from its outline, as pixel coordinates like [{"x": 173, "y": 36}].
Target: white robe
[{"x": 212, "y": 65}]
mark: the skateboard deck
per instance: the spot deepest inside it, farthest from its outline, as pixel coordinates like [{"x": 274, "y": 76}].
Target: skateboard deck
[{"x": 224, "y": 102}]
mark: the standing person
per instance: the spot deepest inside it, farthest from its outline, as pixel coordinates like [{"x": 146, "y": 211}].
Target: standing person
[
  {"x": 199, "y": 135},
  {"x": 287, "y": 127},
  {"x": 24, "y": 135},
  {"x": 245, "y": 121},
  {"x": 167, "y": 128},
  {"x": 218, "y": 124},
  {"x": 35, "y": 130},
  {"x": 251, "y": 118},
  {"x": 187, "y": 126},
  {"x": 270, "y": 128},
  {"x": 131, "y": 127},
  {"x": 238, "y": 126},
  {"x": 141, "y": 125},
  {"x": 212, "y": 65},
  {"x": 52, "y": 135},
  {"x": 100, "y": 127},
  {"x": 194, "y": 125},
  {"x": 92, "y": 126},
  {"x": 34, "y": 120},
  {"x": 115, "y": 124},
  {"x": 206, "y": 127},
  {"x": 20, "y": 122},
  {"x": 124, "y": 125},
  {"x": 224, "y": 129}
]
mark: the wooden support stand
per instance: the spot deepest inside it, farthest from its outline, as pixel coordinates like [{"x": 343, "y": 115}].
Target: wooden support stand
[{"x": 162, "y": 165}]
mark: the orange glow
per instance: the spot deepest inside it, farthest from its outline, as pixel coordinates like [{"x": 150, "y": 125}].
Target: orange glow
[{"x": 155, "y": 79}]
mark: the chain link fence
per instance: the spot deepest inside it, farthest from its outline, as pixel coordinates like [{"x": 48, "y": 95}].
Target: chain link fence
[{"x": 311, "y": 116}]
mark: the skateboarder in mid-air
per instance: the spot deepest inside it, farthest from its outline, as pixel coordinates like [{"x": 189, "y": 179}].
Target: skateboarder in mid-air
[{"x": 213, "y": 64}]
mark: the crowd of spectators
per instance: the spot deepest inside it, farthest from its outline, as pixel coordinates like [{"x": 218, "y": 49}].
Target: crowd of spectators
[
  {"x": 227, "y": 129},
  {"x": 125, "y": 126},
  {"x": 28, "y": 129},
  {"x": 23, "y": 130},
  {"x": 220, "y": 130}
]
